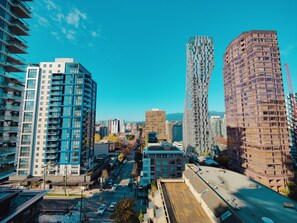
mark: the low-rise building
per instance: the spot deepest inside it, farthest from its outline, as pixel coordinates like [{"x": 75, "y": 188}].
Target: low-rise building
[
  {"x": 103, "y": 149},
  {"x": 162, "y": 161},
  {"x": 20, "y": 206},
  {"x": 219, "y": 196}
]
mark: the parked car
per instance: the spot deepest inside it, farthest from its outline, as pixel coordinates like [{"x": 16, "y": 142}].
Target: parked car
[
  {"x": 101, "y": 209},
  {"x": 112, "y": 206},
  {"x": 114, "y": 187}
]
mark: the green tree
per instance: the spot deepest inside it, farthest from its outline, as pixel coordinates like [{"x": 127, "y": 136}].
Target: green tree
[
  {"x": 124, "y": 212},
  {"x": 140, "y": 216},
  {"x": 97, "y": 138}
]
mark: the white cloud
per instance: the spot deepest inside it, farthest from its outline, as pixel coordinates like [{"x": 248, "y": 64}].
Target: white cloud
[
  {"x": 51, "y": 5},
  {"x": 55, "y": 34},
  {"x": 74, "y": 17},
  {"x": 66, "y": 23},
  {"x": 42, "y": 20}
]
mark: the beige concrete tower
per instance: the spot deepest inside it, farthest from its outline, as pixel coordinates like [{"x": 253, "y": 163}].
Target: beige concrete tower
[
  {"x": 255, "y": 109},
  {"x": 155, "y": 121}
]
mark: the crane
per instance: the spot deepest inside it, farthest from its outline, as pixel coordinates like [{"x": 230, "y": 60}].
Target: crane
[{"x": 292, "y": 95}]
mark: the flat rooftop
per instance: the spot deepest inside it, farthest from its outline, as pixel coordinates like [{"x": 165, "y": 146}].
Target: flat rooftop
[
  {"x": 162, "y": 148},
  {"x": 251, "y": 200},
  {"x": 181, "y": 204}
]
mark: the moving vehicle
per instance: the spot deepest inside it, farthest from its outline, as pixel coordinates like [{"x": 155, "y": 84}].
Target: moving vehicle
[
  {"x": 112, "y": 206},
  {"x": 101, "y": 209}
]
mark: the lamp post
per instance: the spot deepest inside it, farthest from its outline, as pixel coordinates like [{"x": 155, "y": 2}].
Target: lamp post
[
  {"x": 44, "y": 176},
  {"x": 65, "y": 180},
  {"x": 81, "y": 197}
]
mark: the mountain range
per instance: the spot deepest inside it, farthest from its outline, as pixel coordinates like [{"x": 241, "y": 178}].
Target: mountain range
[{"x": 179, "y": 116}]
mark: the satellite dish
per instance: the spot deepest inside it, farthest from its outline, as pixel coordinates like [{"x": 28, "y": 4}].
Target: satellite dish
[{"x": 267, "y": 220}]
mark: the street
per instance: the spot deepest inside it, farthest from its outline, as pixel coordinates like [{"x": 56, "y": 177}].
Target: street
[{"x": 90, "y": 204}]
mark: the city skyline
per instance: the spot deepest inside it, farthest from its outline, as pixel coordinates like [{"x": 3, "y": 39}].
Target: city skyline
[{"x": 127, "y": 54}]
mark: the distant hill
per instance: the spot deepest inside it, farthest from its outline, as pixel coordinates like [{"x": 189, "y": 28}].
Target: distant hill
[{"x": 179, "y": 116}]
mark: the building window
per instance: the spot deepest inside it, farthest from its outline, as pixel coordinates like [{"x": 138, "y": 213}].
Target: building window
[
  {"x": 31, "y": 84},
  {"x": 32, "y": 73}
]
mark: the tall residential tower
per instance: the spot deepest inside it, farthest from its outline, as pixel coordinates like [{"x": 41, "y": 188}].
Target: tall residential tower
[
  {"x": 12, "y": 27},
  {"x": 58, "y": 121},
  {"x": 292, "y": 124},
  {"x": 155, "y": 121},
  {"x": 255, "y": 109},
  {"x": 200, "y": 62}
]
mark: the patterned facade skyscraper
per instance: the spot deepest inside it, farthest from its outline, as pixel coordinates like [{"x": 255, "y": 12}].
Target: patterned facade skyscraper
[
  {"x": 255, "y": 109},
  {"x": 12, "y": 27},
  {"x": 200, "y": 63},
  {"x": 58, "y": 121},
  {"x": 292, "y": 124}
]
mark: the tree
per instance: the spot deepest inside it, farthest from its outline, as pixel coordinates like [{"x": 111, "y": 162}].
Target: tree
[
  {"x": 121, "y": 157},
  {"x": 97, "y": 138},
  {"x": 140, "y": 216},
  {"x": 124, "y": 212},
  {"x": 113, "y": 138}
]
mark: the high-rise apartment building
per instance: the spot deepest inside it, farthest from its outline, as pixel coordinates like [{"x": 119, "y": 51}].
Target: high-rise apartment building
[
  {"x": 215, "y": 124},
  {"x": 292, "y": 124},
  {"x": 155, "y": 121},
  {"x": 58, "y": 119},
  {"x": 12, "y": 27},
  {"x": 122, "y": 126},
  {"x": 177, "y": 132},
  {"x": 255, "y": 109},
  {"x": 200, "y": 62},
  {"x": 115, "y": 126}
]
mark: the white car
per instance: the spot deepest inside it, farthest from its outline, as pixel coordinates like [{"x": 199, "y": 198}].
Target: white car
[
  {"x": 112, "y": 206},
  {"x": 101, "y": 209},
  {"x": 114, "y": 187}
]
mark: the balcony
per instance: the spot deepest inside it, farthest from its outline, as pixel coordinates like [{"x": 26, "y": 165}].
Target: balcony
[
  {"x": 8, "y": 128},
  {"x": 8, "y": 139},
  {"x": 11, "y": 58},
  {"x": 5, "y": 96},
  {"x": 19, "y": 28},
  {"x": 50, "y": 157},
  {"x": 20, "y": 9},
  {"x": 10, "y": 107},
  {"x": 10, "y": 118},
  {"x": 7, "y": 151},
  {"x": 7, "y": 160},
  {"x": 12, "y": 86},
  {"x": 52, "y": 139},
  {"x": 16, "y": 48}
]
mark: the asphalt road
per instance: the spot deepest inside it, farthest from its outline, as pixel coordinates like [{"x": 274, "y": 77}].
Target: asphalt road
[{"x": 91, "y": 205}]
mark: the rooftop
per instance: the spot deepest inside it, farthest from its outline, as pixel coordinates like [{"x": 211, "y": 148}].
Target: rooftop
[
  {"x": 162, "y": 148},
  {"x": 180, "y": 205},
  {"x": 252, "y": 201}
]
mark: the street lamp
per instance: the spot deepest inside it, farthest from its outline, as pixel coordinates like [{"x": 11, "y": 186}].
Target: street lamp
[
  {"x": 81, "y": 197},
  {"x": 44, "y": 176}
]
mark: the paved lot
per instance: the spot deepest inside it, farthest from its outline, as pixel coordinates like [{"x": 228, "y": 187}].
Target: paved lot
[{"x": 184, "y": 208}]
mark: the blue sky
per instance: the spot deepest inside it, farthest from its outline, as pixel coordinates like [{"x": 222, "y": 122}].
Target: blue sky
[{"x": 135, "y": 49}]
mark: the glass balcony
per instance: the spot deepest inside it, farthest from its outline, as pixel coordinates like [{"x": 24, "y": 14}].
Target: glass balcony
[
  {"x": 8, "y": 128},
  {"x": 10, "y": 118},
  {"x": 20, "y": 9},
  {"x": 12, "y": 86},
  {"x": 10, "y": 107},
  {"x": 7, "y": 151},
  {"x": 7, "y": 160}
]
